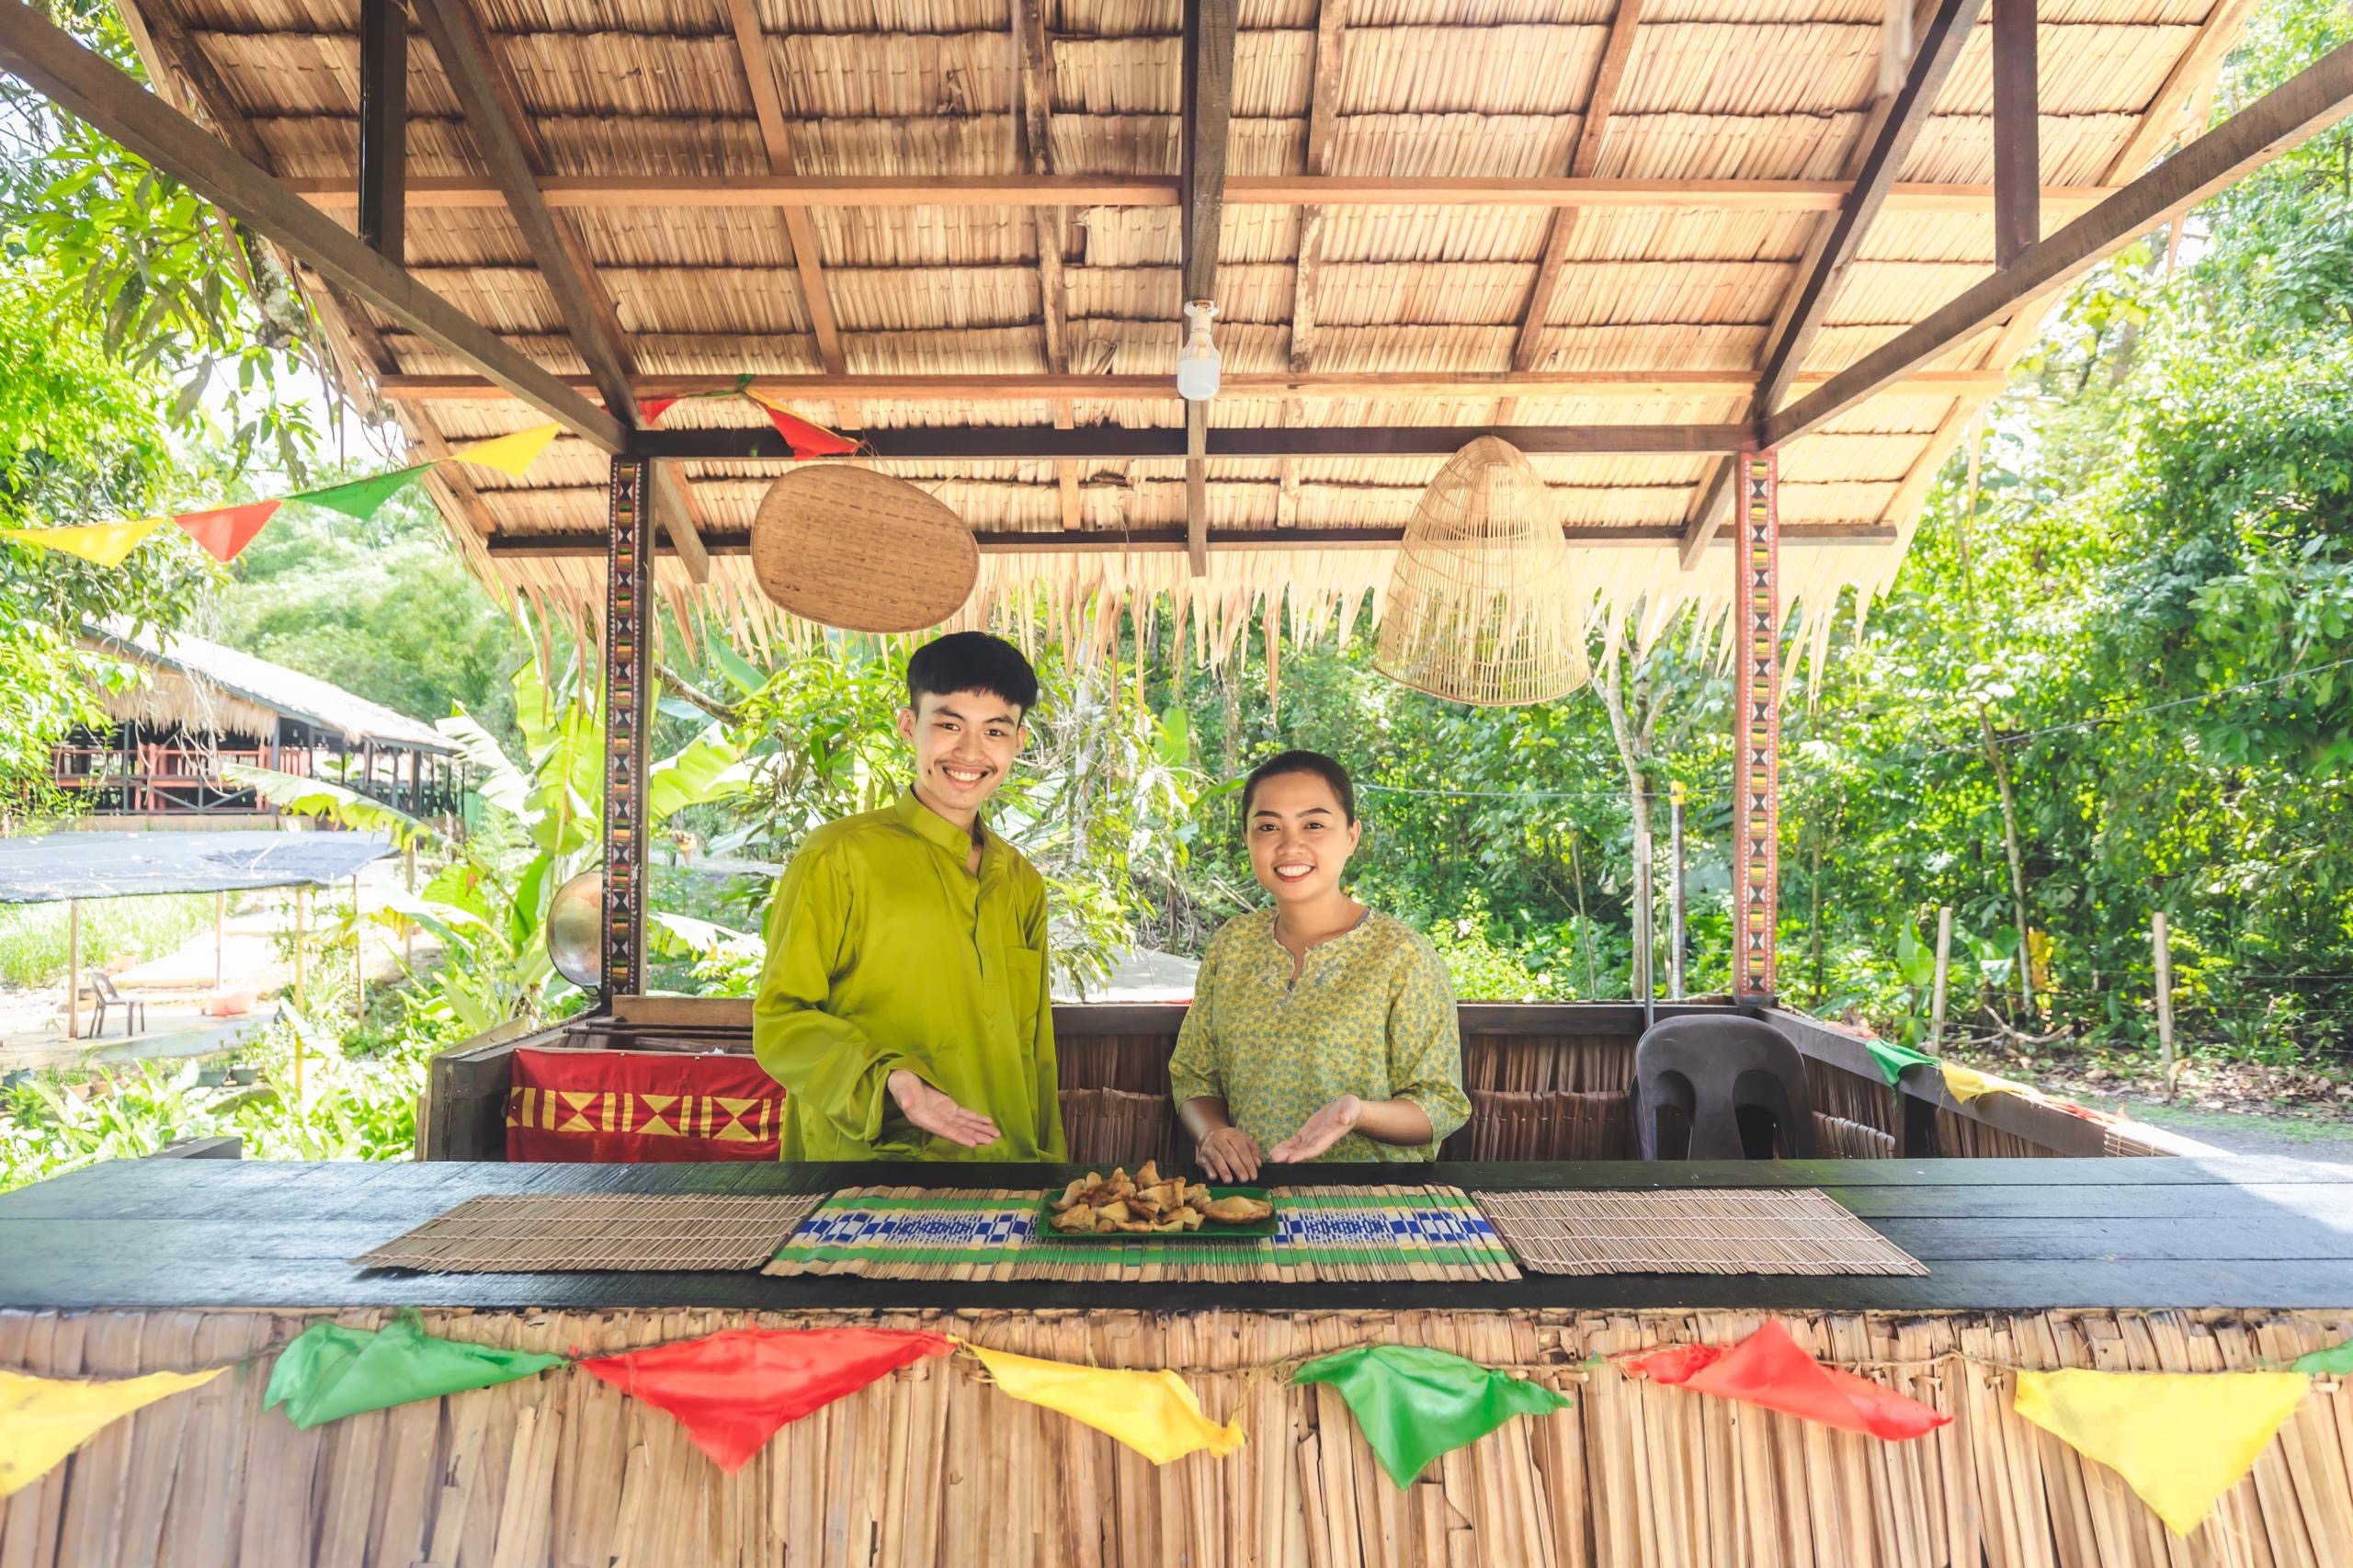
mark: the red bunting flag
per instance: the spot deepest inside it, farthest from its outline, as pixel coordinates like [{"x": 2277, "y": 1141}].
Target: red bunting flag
[
  {"x": 226, "y": 530},
  {"x": 806, "y": 440},
  {"x": 732, "y": 1390},
  {"x": 652, "y": 410},
  {"x": 1768, "y": 1370}
]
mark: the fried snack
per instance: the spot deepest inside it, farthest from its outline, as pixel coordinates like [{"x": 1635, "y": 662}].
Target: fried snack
[
  {"x": 1069, "y": 1197},
  {"x": 1076, "y": 1218},
  {"x": 1237, "y": 1211},
  {"x": 1149, "y": 1176}
]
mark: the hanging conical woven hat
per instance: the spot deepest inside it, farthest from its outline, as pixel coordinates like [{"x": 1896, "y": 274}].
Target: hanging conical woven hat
[
  {"x": 854, "y": 548},
  {"x": 1477, "y": 606}
]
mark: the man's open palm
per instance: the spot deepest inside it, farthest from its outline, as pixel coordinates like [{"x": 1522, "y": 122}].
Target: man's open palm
[{"x": 938, "y": 1115}]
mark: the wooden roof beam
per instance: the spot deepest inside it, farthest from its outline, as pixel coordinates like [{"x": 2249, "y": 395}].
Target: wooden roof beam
[
  {"x": 2018, "y": 110},
  {"x": 1034, "y": 72},
  {"x": 1599, "y": 104},
  {"x": 1123, "y": 388},
  {"x": 1209, "y": 111},
  {"x": 1108, "y": 443},
  {"x": 2304, "y": 105},
  {"x": 1307, "y": 269},
  {"x": 1167, "y": 540},
  {"x": 89, "y": 86},
  {"x": 804, "y": 191},
  {"x": 383, "y": 127},
  {"x": 776, "y": 139},
  {"x": 502, "y": 135},
  {"x": 1896, "y": 124}
]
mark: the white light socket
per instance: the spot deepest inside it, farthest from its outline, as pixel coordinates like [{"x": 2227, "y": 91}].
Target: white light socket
[{"x": 1196, "y": 363}]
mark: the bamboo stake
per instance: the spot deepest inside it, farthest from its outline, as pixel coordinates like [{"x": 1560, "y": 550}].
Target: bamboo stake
[
  {"x": 1675, "y": 895},
  {"x": 2162, "y": 938},
  {"x": 1585, "y": 926},
  {"x": 358, "y": 954},
  {"x": 302, "y": 907},
  {"x": 408, "y": 927},
  {"x": 1944, "y": 968},
  {"x": 72, "y": 969},
  {"x": 1643, "y": 957},
  {"x": 220, "y": 937}
]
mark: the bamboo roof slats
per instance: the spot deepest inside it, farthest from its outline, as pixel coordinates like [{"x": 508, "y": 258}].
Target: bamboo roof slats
[{"x": 634, "y": 101}]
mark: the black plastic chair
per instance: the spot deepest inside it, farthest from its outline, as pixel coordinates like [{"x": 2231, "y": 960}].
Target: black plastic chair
[{"x": 1739, "y": 1080}]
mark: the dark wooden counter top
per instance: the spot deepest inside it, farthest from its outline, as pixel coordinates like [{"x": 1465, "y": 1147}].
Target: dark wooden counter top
[{"x": 1996, "y": 1234}]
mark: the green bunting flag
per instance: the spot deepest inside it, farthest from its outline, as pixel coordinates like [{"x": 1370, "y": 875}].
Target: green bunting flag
[
  {"x": 2336, "y": 1361},
  {"x": 1414, "y": 1403},
  {"x": 331, "y": 1371},
  {"x": 1892, "y": 1059},
  {"x": 361, "y": 497}
]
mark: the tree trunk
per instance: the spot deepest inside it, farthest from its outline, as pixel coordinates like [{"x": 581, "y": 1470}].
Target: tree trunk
[
  {"x": 1632, "y": 727},
  {"x": 2016, "y": 858}
]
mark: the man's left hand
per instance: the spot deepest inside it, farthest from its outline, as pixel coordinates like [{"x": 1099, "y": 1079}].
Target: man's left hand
[{"x": 1319, "y": 1131}]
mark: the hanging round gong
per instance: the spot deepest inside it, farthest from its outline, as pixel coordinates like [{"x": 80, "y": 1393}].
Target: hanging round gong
[{"x": 852, "y": 547}]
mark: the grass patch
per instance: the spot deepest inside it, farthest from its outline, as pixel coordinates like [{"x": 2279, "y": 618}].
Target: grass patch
[{"x": 33, "y": 938}]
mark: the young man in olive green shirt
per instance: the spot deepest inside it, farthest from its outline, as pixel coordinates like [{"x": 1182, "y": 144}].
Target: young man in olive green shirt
[{"x": 903, "y": 1004}]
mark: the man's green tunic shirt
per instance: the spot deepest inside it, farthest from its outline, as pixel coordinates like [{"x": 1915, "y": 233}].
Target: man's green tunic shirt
[{"x": 885, "y": 952}]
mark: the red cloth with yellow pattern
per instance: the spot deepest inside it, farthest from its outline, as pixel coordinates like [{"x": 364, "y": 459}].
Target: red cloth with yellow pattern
[{"x": 641, "y": 1107}]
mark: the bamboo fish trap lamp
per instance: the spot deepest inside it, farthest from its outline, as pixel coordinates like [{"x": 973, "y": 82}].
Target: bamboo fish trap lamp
[{"x": 1475, "y": 604}]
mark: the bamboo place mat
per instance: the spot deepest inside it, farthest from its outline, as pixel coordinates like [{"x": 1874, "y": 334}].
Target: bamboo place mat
[
  {"x": 1325, "y": 1233},
  {"x": 1733, "y": 1231},
  {"x": 602, "y": 1232}
]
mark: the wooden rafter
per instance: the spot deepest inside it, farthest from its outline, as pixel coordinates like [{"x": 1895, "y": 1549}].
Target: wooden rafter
[
  {"x": 1105, "y": 443},
  {"x": 1034, "y": 70},
  {"x": 694, "y": 191},
  {"x": 501, "y": 132},
  {"x": 2306, "y": 104},
  {"x": 1126, "y": 388},
  {"x": 1599, "y": 104},
  {"x": 1167, "y": 541},
  {"x": 383, "y": 126},
  {"x": 1894, "y": 126},
  {"x": 1307, "y": 272},
  {"x": 89, "y": 86},
  {"x": 2018, "y": 110},
  {"x": 1209, "y": 108},
  {"x": 775, "y": 138}
]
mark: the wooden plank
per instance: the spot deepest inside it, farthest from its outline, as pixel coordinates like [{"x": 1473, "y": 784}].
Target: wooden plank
[
  {"x": 2308, "y": 103},
  {"x": 1112, "y": 443},
  {"x": 1161, "y": 190},
  {"x": 1209, "y": 109},
  {"x": 680, "y": 515},
  {"x": 1297, "y": 383},
  {"x": 1165, "y": 540},
  {"x": 89, "y": 86},
  {"x": 1598, "y": 106},
  {"x": 383, "y": 127},
  {"x": 2017, "y": 165}
]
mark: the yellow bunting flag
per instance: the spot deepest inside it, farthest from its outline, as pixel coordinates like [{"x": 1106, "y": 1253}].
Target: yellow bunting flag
[
  {"x": 106, "y": 544},
  {"x": 509, "y": 454},
  {"x": 43, "y": 1419},
  {"x": 2180, "y": 1439},
  {"x": 1966, "y": 1084},
  {"x": 1154, "y": 1413}
]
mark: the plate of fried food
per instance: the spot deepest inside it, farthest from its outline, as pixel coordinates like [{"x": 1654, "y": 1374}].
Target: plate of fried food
[{"x": 1148, "y": 1206}]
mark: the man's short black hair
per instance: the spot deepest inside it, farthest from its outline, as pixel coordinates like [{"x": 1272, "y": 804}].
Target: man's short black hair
[
  {"x": 972, "y": 661},
  {"x": 1313, "y": 762}
]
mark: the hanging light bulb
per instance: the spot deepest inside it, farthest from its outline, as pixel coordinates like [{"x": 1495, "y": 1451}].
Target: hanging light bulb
[{"x": 1196, "y": 363}]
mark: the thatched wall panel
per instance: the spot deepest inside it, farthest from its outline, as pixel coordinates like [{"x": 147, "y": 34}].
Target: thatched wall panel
[{"x": 1152, "y": 236}]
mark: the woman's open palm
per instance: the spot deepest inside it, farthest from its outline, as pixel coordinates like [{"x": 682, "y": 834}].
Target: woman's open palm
[{"x": 1319, "y": 1131}]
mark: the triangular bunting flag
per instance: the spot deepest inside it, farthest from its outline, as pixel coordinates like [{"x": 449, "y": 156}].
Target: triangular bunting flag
[
  {"x": 2180, "y": 1439},
  {"x": 2336, "y": 1361},
  {"x": 1965, "y": 1084},
  {"x": 509, "y": 454},
  {"x": 105, "y": 543},
  {"x": 43, "y": 1419},
  {"x": 1768, "y": 1370},
  {"x": 361, "y": 497},
  {"x": 1414, "y": 1403},
  {"x": 226, "y": 530},
  {"x": 806, "y": 440},
  {"x": 331, "y": 1371},
  {"x": 1892, "y": 1059},
  {"x": 732, "y": 1390},
  {"x": 650, "y": 411},
  {"x": 1153, "y": 1413}
]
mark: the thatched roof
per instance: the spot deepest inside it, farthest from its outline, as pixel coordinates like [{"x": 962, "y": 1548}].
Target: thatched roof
[
  {"x": 649, "y": 140},
  {"x": 209, "y": 689}
]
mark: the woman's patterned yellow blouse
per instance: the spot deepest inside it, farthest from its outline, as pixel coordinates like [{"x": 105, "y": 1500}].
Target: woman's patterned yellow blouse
[{"x": 1372, "y": 1015}]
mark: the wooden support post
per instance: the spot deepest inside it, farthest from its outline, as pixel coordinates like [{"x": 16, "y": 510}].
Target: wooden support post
[
  {"x": 2161, "y": 939},
  {"x": 628, "y": 630},
  {"x": 72, "y": 969},
  {"x": 1675, "y": 895},
  {"x": 1645, "y": 930},
  {"x": 219, "y": 939},
  {"x": 383, "y": 127},
  {"x": 1944, "y": 970},
  {"x": 302, "y": 956},
  {"x": 1756, "y": 715},
  {"x": 2017, "y": 176},
  {"x": 358, "y": 954},
  {"x": 408, "y": 927}
]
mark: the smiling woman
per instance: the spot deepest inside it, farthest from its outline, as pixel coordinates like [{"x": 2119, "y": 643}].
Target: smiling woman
[{"x": 1320, "y": 1028}]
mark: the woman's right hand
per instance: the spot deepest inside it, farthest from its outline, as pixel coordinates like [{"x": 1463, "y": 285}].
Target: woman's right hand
[{"x": 1229, "y": 1154}]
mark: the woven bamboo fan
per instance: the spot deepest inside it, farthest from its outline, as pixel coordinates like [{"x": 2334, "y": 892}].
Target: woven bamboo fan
[
  {"x": 852, "y": 547},
  {"x": 1475, "y": 604}
]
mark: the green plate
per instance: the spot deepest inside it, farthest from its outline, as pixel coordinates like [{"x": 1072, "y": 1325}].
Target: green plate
[{"x": 1210, "y": 1230}]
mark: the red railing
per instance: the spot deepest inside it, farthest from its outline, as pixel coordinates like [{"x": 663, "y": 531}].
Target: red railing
[{"x": 159, "y": 779}]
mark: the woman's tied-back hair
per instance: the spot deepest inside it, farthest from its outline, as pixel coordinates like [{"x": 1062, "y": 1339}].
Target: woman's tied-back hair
[
  {"x": 1313, "y": 762},
  {"x": 972, "y": 661}
]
